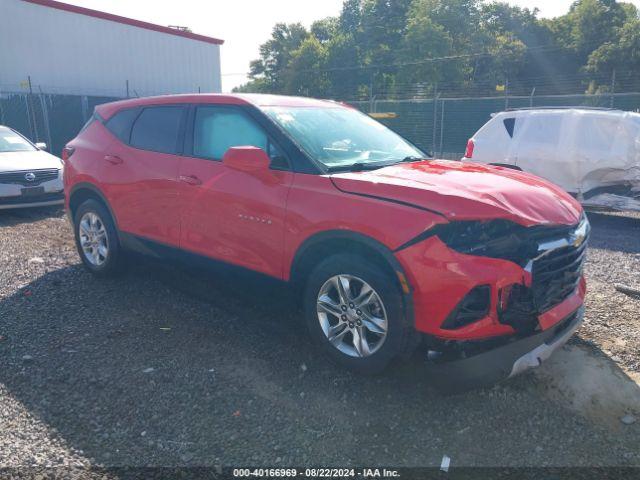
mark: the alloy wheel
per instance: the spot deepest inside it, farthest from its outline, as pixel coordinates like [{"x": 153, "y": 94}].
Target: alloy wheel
[
  {"x": 352, "y": 316},
  {"x": 93, "y": 239}
]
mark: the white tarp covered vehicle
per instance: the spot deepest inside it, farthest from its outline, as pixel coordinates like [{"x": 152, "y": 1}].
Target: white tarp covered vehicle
[{"x": 591, "y": 153}]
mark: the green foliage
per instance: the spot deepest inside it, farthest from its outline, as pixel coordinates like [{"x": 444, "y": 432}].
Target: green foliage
[
  {"x": 620, "y": 54},
  {"x": 418, "y": 47},
  {"x": 275, "y": 55},
  {"x": 306, "y": 74}
]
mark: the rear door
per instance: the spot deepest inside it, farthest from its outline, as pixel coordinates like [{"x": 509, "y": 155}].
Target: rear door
[
  {"x": 537, "y": 143},
  {"x": 231, "y": 215},
  {"x": 140, "y": 173}
]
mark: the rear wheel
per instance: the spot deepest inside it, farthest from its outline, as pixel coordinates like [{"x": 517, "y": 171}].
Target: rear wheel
[
  {"x": 355, "y": 313},
  {"x": 97, "y": 239}
]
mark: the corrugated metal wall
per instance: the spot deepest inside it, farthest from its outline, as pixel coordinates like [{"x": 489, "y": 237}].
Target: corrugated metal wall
[{"x": 69, "y": 53}]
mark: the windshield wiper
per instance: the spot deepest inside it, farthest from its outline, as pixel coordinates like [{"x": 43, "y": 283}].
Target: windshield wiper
[
  {"x": 410, "y": 159},
  {"x": 358, "y": 167},
  {"x": 366, "y": 166}
]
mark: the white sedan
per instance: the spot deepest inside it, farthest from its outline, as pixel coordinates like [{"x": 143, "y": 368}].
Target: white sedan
[{"x": 29, "y": 176}]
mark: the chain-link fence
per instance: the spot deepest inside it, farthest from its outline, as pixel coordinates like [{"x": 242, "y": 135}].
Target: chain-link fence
[
  {"x": 442, "y": 126},
  {"x": 50, "y": 118}
]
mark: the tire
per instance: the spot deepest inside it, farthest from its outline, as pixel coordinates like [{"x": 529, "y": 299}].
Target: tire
[
  {"x": 107, "y": 262},
  {"x": 322, "y": 283}
]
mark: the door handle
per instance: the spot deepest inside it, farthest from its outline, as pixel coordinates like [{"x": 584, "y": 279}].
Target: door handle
[
  {"x": 191, "y": 180},
  {"x": 113, "y": 159}
]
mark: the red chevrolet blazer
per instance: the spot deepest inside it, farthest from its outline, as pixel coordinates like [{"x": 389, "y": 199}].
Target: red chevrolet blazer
[{"x": 387, "y": 248}]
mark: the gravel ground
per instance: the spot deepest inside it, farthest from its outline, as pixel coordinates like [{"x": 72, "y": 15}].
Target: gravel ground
[
  {"x": 170, "y": 367},
  {"x": 612, "y": 321}
]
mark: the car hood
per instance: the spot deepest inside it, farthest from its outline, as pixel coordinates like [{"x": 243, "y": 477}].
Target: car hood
[
  {"x": 466, "y": 191},
  {"x": 17, "y": 161}
]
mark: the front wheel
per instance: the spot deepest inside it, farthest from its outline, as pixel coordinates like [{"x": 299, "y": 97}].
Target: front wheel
[
  {"x": 97, "y": 239},
  {"x": 355, "y": 313}
]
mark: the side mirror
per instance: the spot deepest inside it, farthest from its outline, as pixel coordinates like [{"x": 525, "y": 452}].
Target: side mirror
[
  {"x": 41, "y": 146},
  {"x": 252, "y": 160}
]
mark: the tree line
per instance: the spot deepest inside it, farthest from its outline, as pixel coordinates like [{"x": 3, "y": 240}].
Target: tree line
[{"x": 419, "y": 48}]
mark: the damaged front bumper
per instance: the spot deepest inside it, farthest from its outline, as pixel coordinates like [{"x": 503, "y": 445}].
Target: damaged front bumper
[
  {"x": 473, "y": 281},
  {"x": 494, "y": 299},
  {"x": 496, "y": 363}
]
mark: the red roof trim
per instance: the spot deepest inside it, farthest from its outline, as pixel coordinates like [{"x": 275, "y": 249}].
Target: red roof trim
[{"x": 127, "y": 21}]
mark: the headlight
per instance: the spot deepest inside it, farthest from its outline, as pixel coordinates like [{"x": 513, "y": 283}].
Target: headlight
[
  {"x": 582, "y": 232},
  {"x": 502, "y": 238},
  {"x": 494, "y": 238}
]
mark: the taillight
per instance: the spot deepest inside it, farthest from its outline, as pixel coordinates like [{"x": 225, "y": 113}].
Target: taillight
[
  {"x": 67, "y": 152},
  {"x": 468, "y": 153}
]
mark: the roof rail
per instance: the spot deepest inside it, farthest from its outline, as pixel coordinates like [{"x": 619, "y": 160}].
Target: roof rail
[{"x": 567, "y": 107}]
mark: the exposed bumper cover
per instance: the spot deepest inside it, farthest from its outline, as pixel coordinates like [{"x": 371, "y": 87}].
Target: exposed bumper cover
[{"x": 505, "y": 361}]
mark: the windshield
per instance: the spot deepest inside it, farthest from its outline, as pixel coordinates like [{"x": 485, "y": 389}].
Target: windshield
[
  {"x": 10, "y": 141},
  {"x": 342, "y": 137}
]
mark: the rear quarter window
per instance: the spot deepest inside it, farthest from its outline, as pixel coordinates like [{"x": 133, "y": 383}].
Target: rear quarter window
[
  {"x": 509, "y": 125},
  {"x": 493, "y": 129}
]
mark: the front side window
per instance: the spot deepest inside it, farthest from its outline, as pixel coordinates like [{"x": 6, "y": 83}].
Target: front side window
[
  {"x": 157, "y": 129},
  {"x": 11, "y": 141},
  {"x": 342, "y": 137},
  {"x": 217, "y": 129}
]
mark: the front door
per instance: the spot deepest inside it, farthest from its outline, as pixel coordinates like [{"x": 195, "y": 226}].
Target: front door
[{"x": 227, "y": 214}]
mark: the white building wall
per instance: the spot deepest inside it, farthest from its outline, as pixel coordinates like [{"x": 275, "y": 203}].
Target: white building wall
[{"x": 71, "y": 53}]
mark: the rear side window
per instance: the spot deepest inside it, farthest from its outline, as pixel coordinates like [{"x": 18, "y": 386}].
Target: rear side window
[
  {"x": 510, "y": 125},
  {"x": 158, "y": 129},
  {"x": 542, "y": 129},
  {"x": 120, "y": 123},
  {"x": 217, "y": 129}
]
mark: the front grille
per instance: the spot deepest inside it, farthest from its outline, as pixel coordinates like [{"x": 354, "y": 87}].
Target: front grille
[
  {"x": 47, "y": 197},
  {"x": 556, "y": 275},
  {"x": 20, "y": 177}
]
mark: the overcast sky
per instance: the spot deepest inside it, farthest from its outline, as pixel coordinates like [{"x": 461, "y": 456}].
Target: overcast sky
[{"x": 245, "y": 24}]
